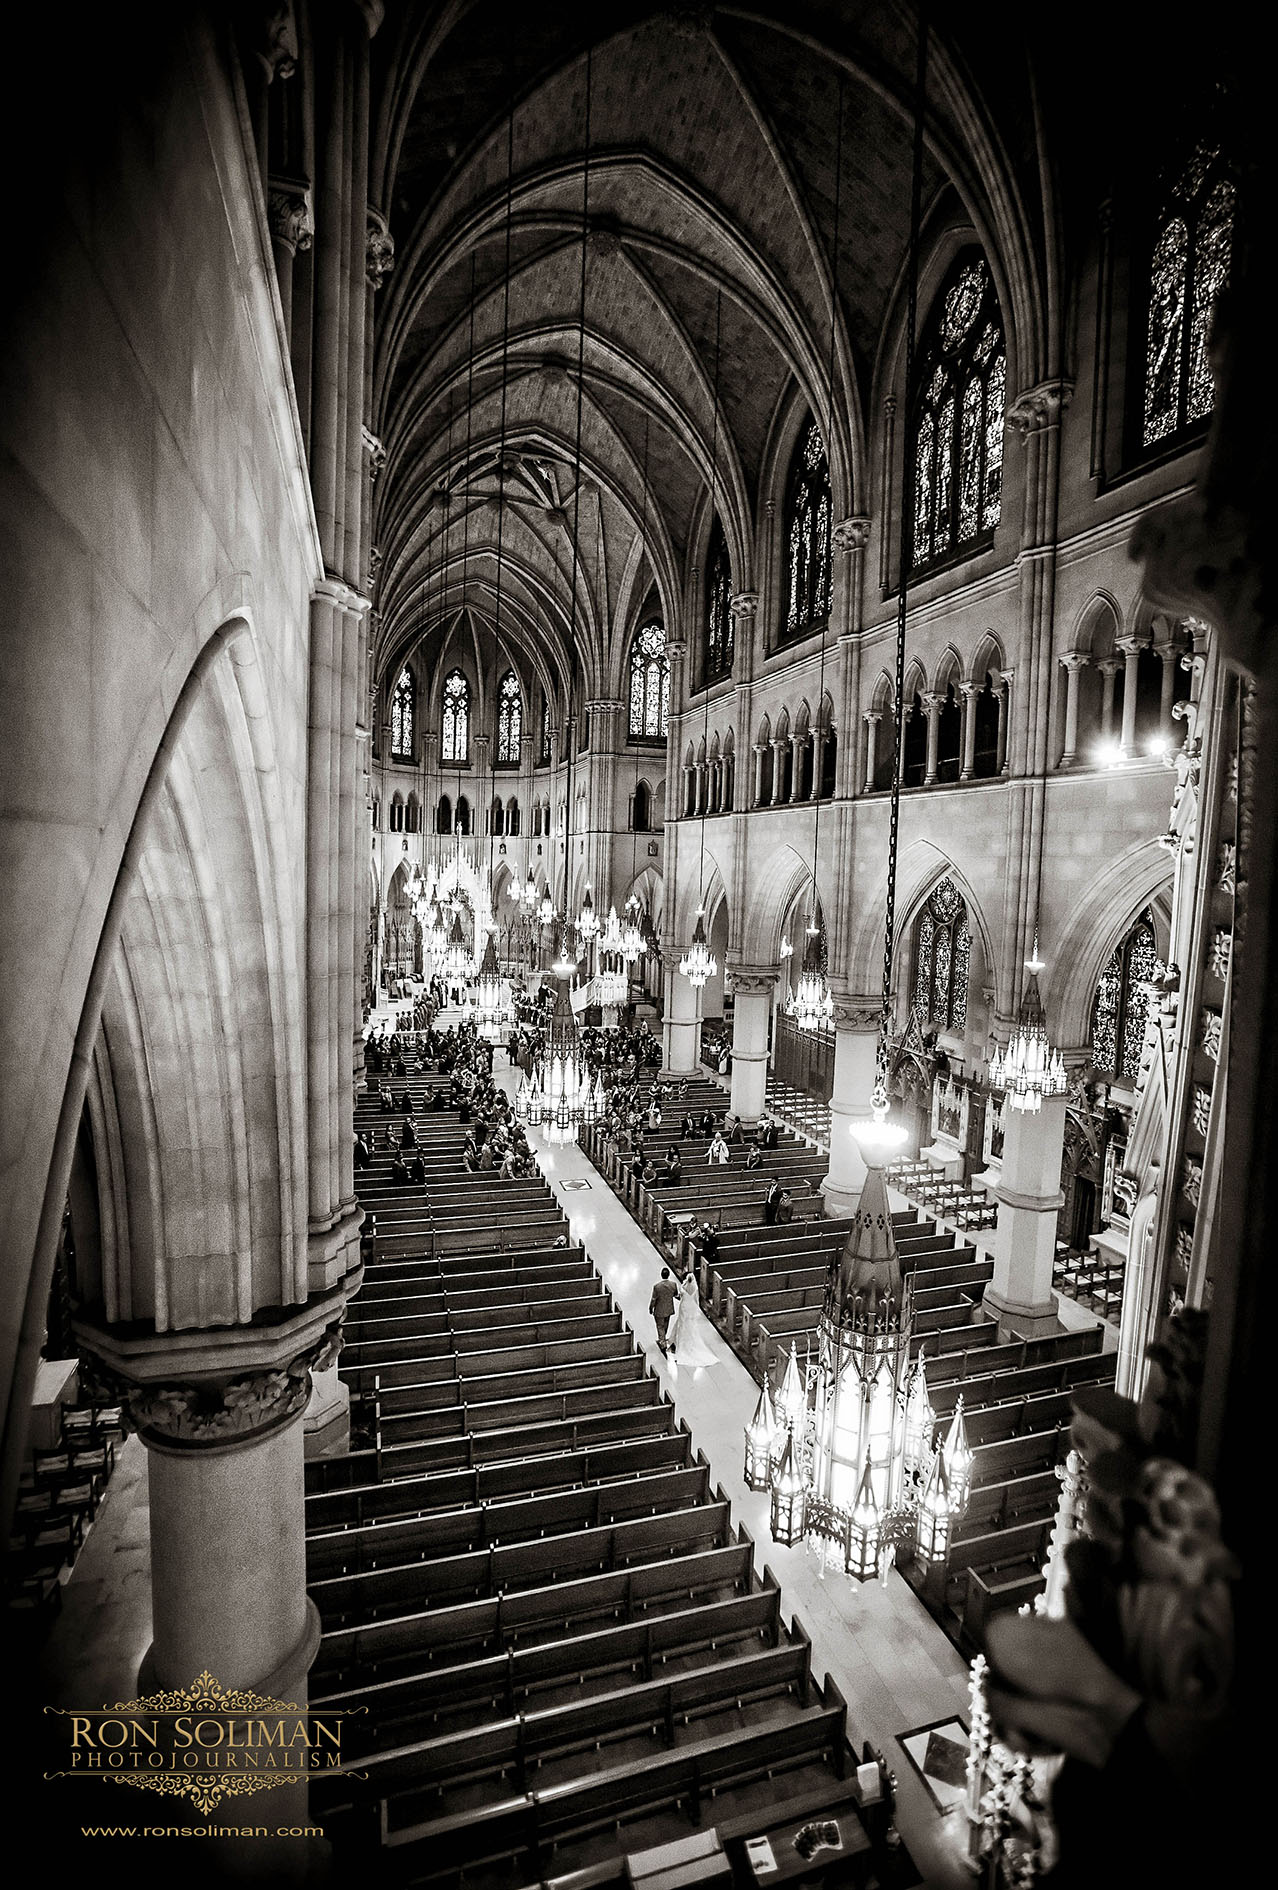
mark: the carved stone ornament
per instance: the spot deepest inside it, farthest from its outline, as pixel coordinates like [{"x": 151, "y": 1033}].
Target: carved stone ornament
[
  {"x": 851, "y": 534},
  {"x": 288, "y": 210},
  {"x": 1191, "y": 1179},
  {"x": 374, "y": 565},
  {"x": 1040, "y": 407},
  {"x": 1210, "y": 1029},
  {"x": 751, "y": 980},
  {"x": 1218, "y": 952},
  {"x": 1200, "y": 1108},
  {"x": 860, "y": 1017},
  {"x": 379, "y": 255},
  {"x": 275, "y": 39},
  {"x": 1184, "y": 1247},
  {"x": 1226, "y": 866},
  {"x": 204, "y": 1414},
  {"x": 375, "y": 450},
  {"x": 744, "y": 604}
]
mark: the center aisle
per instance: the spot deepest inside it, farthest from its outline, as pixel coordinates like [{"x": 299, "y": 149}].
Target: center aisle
[{"x": 881, "y": 1647}]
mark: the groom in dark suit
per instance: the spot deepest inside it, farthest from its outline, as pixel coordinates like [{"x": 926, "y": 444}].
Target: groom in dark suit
[{"x": 664, "y": 1299}]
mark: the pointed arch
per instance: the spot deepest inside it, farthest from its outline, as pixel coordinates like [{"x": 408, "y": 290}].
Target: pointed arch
[{"x": 956, "y": 426}]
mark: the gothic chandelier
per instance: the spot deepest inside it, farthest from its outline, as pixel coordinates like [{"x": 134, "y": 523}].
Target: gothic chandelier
[
  {"x": 546, "y": 911},
  {"x": 587, "y": 920},
  {"x": 527, "y": 893},
  {"x": 848, "y": 1454},
  {"x": 698, "y": 962},
  {"x": 491, "y": 1003},
  {"x": 560, "y": 1093},
  {"x": 435, "y": 933},
  {"x": 1028, "y": 1068},
  {"x": 456, "y": 957},
  {"x": 610, "y": 937},
  {"x": 810, "y": 1003},
  {"x": 631, "y": 937}
]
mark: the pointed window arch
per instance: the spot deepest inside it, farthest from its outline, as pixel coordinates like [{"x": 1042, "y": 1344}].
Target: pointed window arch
[
  {"x": 942, "y": 961},
  {"x": 544, "y": 751},
  {"x": 510, "y": 719},
  {"x": 1188, "y": 265},
  {"x": 806, "y": 543},
  {"x": 649, "y": 683},
  {"x": 455, "y": 743},
  {"x": 957, "y": 424},
  {"x": 719, "y": 630},
  {"x": 1122, "y": 1001},
  {"x": 403, "y": 716}
]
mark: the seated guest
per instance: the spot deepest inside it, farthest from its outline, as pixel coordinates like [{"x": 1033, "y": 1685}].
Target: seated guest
[
  {"x": 754, "y": 1156},
  {"x": 463, "y": 1109},
  {"x": 399, "y": 1169},
  {"x": 649, "y": 1174},
  {"x": 785, "y": 1207},
  {"x": 417, "y": 1171},
  {"x": 401, "y": 1068},
  {"x": 387, "y": 1100},
  {"x": 469, "y": 1161},
  {"x": 690, "y": 1130},
  {"x": 718, "y": 1149},
  {"x": 486, "y": 1155},
  {"x": 404, "y": 1101},
  {"x": 708, "y": 1241},
  {"x": 362, "y": 1152},
  {"x": 409, "y": 1137}
]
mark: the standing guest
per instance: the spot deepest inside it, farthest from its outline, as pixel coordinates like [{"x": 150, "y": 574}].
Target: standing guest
[
  {"x": 674, "y": 1166},
  {"x": 772, "y": 1201},
  {"x": 768, "y": 1133},
  {"x": 707, "y": 1122},
  {"x": 732, "y": 1127},
  {"x": 754, "y": 1156},
  {"x": 654, "y": 1116},
  {"x": 785, "y": 1207},
  {"x": 665, "y": 1297},
  {"x": 690, "y": 1127}
]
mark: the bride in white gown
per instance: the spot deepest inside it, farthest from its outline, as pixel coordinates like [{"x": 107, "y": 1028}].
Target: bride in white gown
[{"x": 688, "y": 1331}]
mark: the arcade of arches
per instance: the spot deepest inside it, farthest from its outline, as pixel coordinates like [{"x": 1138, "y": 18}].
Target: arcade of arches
[{"x": 510, "y": 441}]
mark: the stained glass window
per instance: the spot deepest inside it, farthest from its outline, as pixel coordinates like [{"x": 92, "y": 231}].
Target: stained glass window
[
  {"x": 1122, "y": 1001},
  {"x": 1189, "y": 262},
  {"x": 807, "y": 535},
  {"x": 942, "y": 961},
  {"x": 718, "y": 613},
  {"x": 455, "y": 745},
  {"x": 510, "y": 718},
  {"x": 958, "y": 419},
  {"x": 403, "y": 709},
  {"x": 649, "y": 683}
]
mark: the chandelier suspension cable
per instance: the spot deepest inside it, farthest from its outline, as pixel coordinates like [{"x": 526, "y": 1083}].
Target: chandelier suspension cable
[
  {"x": 698, "y": 962},
  {"x": 501, "y": 490},
  {"x": 576, "y": 510},
  {"x": 880, "y": 1097},
  {"x": 812, "y": 1004},
  {"x": 631, "y": 934}
]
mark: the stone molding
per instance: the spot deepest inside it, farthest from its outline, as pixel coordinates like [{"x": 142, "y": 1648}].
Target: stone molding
[
  {"x": 376, "y": 452},
  {"x": 752, "y": 980},
  {"x": 862, "y": 1017}
]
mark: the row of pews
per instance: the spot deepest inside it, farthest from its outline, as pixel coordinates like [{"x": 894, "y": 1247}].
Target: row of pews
[
  {"x": 765, "y": 1291},
  {"x": 727, "y": 1195},
  {"x": 532, "y": 1594}
]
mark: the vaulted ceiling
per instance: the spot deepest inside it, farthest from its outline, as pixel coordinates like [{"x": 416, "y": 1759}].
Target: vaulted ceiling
[{"x": 726, "y": 144}]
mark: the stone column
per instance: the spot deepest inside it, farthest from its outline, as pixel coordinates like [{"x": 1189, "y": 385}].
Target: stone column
[
  {"x": 969, "y": 691},
  {"x": 932, "y": 701},
  {"x": 752, "y": 988},
  {"x": 681, "y": 1024},
  {"x": 872, "y": 718},
  {"x": 779, "y": 746},
  {"x": 856, "y": 1036},
  {"x": 1071, "y": 662},
  {"x": 1004, "y": 686},
  {"x": 819, "y": 739},
  {"x": 1131, "y": 648},
  {"x": 1029, "y": 1198},
  {"x": 797, "y": 744},
  {"x": 292, "y": 224},
  {"x": 1168, "y": 656},
  {"x": 757, "y": 749},
  {"x": 1109, "y": 667}
]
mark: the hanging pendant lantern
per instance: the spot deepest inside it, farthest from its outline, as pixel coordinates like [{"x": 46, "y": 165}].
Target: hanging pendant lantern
[
  {"x": 491, "y": 1005},
  {"x": 546, "y": 911},
  {"x": 789, "y": 1498},
  {"x": 631, "y": 936},
  {"x": 698, "y": 962},
  {"x": 1028, "y": 1068},
  {"x": 456, "y": 957},
  {"x": 760, "y": 1442},
  {"x": 810, "y": 1004},
  {"x": 957, "y": 1453}
]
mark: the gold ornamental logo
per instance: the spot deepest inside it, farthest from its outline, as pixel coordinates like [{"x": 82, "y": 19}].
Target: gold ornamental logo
[{"x": 205, "y": 1742}]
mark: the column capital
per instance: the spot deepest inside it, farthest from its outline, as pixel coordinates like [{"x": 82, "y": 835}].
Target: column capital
[
  {"x": 858, "y": 1013},
  {"x": 932, "y": 699},
  {"x": 1040, "y": 407},
  {"x": 1131, "y": 646},
  {"x": 851, "y": 534},
  {"x": 871, "y": 715},
  {"x": 289, "y": 213},
  {"x": 376, "y": 452},
  {"x": 379, "y": 249},
  {"x": 1074, "y": 660},
  {"x": 752, "y": 980},
  {"x": 1109, "y": 665},
  {"x": 744, "y": 603},
  {"x": 970, "y": 689}
]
